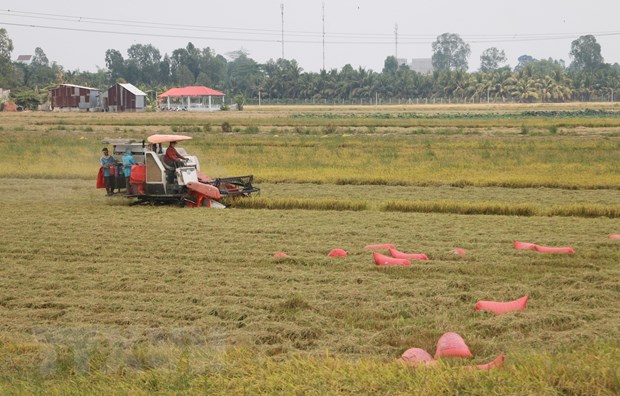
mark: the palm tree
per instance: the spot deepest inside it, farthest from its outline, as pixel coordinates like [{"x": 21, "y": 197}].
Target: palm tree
[
  {"x": 524, "y": 90},
  {"x": 500, "y": 81},
  {"x": 479, "y": 86},
  {"x": 363, "y": 88},
  {"x": 461, "y": 83},
  {"x": 327, "y": 87}
]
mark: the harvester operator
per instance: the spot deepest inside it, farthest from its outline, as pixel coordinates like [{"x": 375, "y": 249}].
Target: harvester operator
[{"x": 172, "y": 157}]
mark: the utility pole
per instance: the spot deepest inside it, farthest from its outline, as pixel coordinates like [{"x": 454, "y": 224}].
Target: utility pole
[
  {"x": 323, "y": 18},
  {"x": 282, "y": 13},
  {"x": 396, "y": 42}
]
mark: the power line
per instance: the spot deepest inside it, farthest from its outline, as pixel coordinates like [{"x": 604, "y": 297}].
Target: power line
[
  {"x": 249, "y": 35},
  {"x": 411, "y": 38},
  {"x": 383, "y": 42}
]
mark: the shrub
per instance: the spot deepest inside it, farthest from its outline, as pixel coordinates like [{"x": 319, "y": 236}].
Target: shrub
[
  {"x": 329, "y": 129},
  {"x": 239, "y": 101},
  {"x": 185, "y": 128},
  {"x": 226, "y": 127}
]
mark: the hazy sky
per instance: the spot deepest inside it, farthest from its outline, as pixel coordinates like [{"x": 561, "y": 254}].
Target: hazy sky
[{"x": 76, "y": 34}]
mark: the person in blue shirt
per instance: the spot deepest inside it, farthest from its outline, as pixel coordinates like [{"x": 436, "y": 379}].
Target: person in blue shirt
[
  {"x": 108, "y": 163},
  {"x": 128, "y": 162}
]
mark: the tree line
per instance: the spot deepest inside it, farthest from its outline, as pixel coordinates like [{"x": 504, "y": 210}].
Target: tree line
[{"x": 586, "y": 78}]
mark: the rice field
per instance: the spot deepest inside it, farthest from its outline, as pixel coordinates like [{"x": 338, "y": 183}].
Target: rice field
[{"x": 100, "y": 297}]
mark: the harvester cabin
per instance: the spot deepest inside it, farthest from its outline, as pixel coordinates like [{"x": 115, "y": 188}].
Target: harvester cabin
[
  {"x": 125, "y": 98},
  {"x": 69, "y": 97},
  {"x": 194, "y": 98}
]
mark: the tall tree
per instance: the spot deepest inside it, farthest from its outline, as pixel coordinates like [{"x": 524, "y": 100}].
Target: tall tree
[
  {"x": 348, "y": 79},
  {"x": 40, "y": 58},
  {"x": 115, "y": 63},
  {"x": 390, "y": 65},
  {"x": 586, "y": 54},
  {"x": 165, "y": 75},
  {"x": 145, "y": 59},
  {"x": 6, "y": 66},
  {"x": 523, "y": 60},
  {"x": 244, "y": 76},
  {"x": 491, "y": 59},
  {"x": 212, "y": 69},
  {"x": 184, "y": 76},
  {"x": 188, "y": 57},
  {"x": 39, "y": 72},
  {"x": 450, "y": 52}
]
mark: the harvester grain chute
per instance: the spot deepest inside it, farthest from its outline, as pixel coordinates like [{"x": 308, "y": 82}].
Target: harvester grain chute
[{"x": 155, "y": 181}]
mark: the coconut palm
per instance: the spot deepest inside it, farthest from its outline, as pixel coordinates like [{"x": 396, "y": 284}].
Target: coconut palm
[
  {"x": 500, "y": 81},
  {"x": 525, "y": 90}
]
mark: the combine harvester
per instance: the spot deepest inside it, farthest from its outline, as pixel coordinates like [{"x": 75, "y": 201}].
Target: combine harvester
[{"x": 153, "y": 181}]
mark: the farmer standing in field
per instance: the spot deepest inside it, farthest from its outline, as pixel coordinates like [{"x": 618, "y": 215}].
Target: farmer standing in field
[
  {"x": 108, "y": 163},
  {"x": 128, "y": 162}
]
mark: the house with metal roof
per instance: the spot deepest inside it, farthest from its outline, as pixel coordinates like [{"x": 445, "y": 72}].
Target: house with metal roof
[
  {"x": 193, "y": 98},
  {"x": 69, "y": 97},
  {"x": 26, "y": 59},
  {"x": 125, "y": 97}
]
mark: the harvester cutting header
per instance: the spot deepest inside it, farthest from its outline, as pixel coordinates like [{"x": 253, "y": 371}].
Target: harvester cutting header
[{"x": 168, "y": 175}]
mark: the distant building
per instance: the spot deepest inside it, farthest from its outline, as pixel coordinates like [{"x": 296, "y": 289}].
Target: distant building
[
  {"x": 195, "y": 98},
  {"x": 69, "y": 97},
  {"x": 5, "y": 103},
  {"x": 125, "y": 97},
  {"x": 422, "y": 65},
  {"x": 4, "y": 94},
  {"x": 24, "y": 59}
]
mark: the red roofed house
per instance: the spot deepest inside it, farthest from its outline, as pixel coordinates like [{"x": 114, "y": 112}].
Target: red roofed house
[{"x": 195, "y": 98}]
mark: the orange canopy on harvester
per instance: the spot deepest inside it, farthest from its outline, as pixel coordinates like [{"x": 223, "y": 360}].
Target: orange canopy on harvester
[{"x": 167, "y": 138}]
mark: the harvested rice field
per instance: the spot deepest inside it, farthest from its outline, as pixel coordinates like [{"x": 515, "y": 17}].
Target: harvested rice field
[{"x": 100, "y": 297}]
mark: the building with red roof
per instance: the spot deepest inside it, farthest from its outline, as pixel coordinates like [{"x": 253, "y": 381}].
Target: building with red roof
[{"x": 194, "y": 98}]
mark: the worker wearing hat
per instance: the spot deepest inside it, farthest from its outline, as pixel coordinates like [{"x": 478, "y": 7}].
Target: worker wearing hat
[
  {"x": 128, "y": 162},
  {"x": 108, "y": 163},
  {"x": 172, "y": 157}
]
